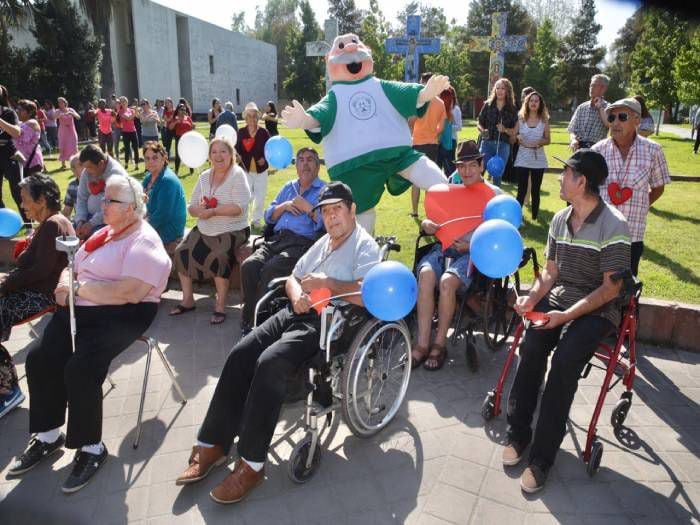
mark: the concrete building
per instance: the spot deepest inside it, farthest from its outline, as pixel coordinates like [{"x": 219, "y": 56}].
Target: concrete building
[{"x": 158, "y": 52}]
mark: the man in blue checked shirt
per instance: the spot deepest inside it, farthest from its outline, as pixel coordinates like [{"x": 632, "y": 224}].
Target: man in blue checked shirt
[{"x": 296, "y": 228}]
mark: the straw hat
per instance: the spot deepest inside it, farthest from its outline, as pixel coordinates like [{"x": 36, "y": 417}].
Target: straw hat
[{"x": 251, "y": 106}]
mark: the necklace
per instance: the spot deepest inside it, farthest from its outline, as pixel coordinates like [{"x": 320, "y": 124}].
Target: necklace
[{"x": 617, "y": 191}]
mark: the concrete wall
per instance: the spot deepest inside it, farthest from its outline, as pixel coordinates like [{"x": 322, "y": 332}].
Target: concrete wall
[{"x": 240, "y": 63}]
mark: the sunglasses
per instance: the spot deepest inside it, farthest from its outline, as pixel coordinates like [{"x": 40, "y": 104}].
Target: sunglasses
[{"x": 622, "y": 117}]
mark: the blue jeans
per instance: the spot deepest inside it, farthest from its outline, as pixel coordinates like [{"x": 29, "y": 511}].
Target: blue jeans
[{"x": 488, "y": 148}]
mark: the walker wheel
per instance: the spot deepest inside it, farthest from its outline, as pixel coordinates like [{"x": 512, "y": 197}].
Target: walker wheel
[
  {"x": 596, "y": 456},
  {"x": 488, "y": 407},
  {"x": 619, "y": 413}
]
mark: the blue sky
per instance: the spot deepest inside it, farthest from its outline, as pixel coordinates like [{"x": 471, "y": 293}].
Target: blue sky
[{"x": 612, "y": 14}]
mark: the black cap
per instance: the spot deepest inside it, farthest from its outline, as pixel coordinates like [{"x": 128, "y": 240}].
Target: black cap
[
  {"x": 589, "y": 163},
  {"x": 334, "y": 192},
  {"x": 468, "y": 150}
]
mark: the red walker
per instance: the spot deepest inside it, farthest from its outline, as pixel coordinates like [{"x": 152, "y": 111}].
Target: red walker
[{"x": 618, "y": 361}]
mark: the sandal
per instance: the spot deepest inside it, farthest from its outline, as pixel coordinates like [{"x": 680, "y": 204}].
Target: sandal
[
  {"x": 438, "y": 354},
  {"x": 179, "y": 310},
  {"x": 217, "y": 318},
  {"x": 422, "y": 352}
]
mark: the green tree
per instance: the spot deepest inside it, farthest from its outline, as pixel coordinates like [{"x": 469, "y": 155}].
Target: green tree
[
  {"x": 663, "y": 36},
  {"x": 686, "y": 71},
  {"x": 374, "y": 32},
  {"x": 347, "y": 14},
  {"x": 17, "y": 61},
  {"x": 557, "y": 11},
  {"x": 580, "y": 55},
  {"x": 479, "y": 24},
  {"x": 99, "y": 12},
  {"x": 540, "y": 69},
  {"x": 14, "y": 13},
  {"x": 453, "y": 60},
  {"x": 432, "y": 19},
  {"x": 67, "y": 57},
  {"x": 238, "y": 23},
  {"x": 305, "y": 75}
]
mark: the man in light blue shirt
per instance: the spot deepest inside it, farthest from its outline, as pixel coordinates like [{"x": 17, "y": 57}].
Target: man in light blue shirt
[{"x": 296, "y": 226}]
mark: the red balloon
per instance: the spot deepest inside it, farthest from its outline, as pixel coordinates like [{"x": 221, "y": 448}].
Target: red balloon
[
  {"x": 321, "y": 296},
  {"x": 447, "y": 202}
]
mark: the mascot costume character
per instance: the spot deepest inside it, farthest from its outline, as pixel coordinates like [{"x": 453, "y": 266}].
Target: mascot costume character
[{"x": 363, "y": 125}]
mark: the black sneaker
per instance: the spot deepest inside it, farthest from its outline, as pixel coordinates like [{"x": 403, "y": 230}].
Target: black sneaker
[
  {"x": 85, "y": 465},
  {"x": 36, "y": 451}
]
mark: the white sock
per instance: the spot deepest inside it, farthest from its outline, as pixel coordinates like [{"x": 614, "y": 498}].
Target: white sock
[
  {"x": 49, "y": 436},
  {"x": 257, "y": 466},
  {"x": 203, "y": 444},
  {"x": 95, "y": 449}
]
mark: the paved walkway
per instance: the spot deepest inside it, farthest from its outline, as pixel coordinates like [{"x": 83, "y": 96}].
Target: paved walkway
[
  {"x": 438, "y": 462},
  {"x": 683, "y": 133}
]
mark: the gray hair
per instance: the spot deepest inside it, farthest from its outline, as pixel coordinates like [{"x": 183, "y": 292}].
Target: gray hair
[
  {"x": 228, "y": 106},
  {"x": 128, "y": 189},
  {"x": 605, "y": 79}
]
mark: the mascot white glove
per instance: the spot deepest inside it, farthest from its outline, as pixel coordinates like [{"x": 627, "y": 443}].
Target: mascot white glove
[
  {"x": 435, "y": 85},
  {"x": 295, "y": 116}
]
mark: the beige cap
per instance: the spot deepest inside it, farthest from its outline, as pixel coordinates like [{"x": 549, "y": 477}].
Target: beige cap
[
  {"x": 629, "y": 103},
  {"x": 251, "y": 106}
]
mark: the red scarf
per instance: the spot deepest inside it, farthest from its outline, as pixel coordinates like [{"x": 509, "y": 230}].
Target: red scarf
[{"x": 103, "y": 236}]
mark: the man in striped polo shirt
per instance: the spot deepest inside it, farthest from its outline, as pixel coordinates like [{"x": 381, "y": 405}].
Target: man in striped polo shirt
[{"x": 588, "y": 242}]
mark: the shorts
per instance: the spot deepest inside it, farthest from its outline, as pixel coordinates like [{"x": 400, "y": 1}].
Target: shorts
[{"x": 458, "y": 264}]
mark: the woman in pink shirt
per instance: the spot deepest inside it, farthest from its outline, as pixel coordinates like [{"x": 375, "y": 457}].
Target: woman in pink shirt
[
  {"x": 28, "y": 141},
  {"x": 121, "y": 271},
  {"x": 126, "y": 117},
  {"x": 104, "y": 116},
  {"x": 67, "y": 135}
]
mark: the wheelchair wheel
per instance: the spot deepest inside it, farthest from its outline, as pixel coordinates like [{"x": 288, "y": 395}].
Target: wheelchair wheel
[
  {"x": 498, "y": 320},
  {"x": 596, "y": 456},
  {"x": 297, "y": 470},
  {"x": 375, "y": 376},
  {"x": 619, "y": 413},
  {"x": 488, "y": 407}
]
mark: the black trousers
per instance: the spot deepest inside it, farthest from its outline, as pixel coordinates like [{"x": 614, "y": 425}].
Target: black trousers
[
  {"x": 637, "y": 249},
  {"x": 523, "y": 175},
  {"x": 274, "y": 258},
  {"x": 130, "y": 140},
  {"x": 253, "y": 384},
  {"x": 59, "y": 378},
  {"x": 9, "y": 169},
  {"x": 167, "y": 136},
  {"x": 575, "y": 347},
  {"x": 697, "y": 140},
  {"x": 429, "y": 150},
  {"x": 106, "y": 141}
]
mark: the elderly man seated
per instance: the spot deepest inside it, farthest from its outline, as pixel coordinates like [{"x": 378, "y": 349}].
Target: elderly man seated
[
  {"x": 249, "y": 396},
  {"x": 588, "y": 242},
  {"x": 449, "y": 269},
  {"x": 98, "y": 167},
  {"x": 296, "y": 226}
]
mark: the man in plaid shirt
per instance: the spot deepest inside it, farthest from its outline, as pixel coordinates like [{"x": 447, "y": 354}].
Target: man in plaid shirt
[
  {"x": 589, "y": 125},
  {"x": 637, "y": 170}
]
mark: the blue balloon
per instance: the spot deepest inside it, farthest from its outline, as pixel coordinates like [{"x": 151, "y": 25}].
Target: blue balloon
[
  {"x": 389, "y": 291},
  {"x": 496, "y": 248},
  {"x": 278, "y": 152},
  {"x": 504, "y": 207},
  {"x": 10, "y": 222},
  {"x": 496, "y": 166}
]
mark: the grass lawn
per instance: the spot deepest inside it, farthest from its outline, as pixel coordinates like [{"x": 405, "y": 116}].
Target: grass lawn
[{"x": 669, "y": 266}]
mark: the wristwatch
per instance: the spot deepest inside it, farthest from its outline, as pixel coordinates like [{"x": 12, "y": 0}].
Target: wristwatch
[{"x": 76, "y": 287}]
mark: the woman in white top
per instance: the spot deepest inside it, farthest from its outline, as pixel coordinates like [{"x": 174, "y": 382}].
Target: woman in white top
[
  {"x": 532, "y": 132},
  {"x": 220, "y": 204}
]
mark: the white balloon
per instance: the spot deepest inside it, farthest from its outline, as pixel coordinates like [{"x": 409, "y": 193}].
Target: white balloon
[
  {"x": 193, "y": 149},
  {"x": 227, "y": 131}
]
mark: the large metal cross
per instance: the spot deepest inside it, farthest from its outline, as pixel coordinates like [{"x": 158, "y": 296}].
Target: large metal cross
[
  {"x": 411, "y": 47},
  {"x": 498, "y": 44},
  {"x": 321, "y": 47}
]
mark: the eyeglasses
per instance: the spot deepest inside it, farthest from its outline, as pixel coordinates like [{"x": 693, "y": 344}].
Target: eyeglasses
[
  {"x": 622, "y": 117},
  {"x": 107, "y": 201}
]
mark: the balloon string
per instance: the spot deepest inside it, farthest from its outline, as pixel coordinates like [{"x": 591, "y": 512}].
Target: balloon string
[
  {"x": 334, "y": 297},
  {"x": 459, "y": 219}
]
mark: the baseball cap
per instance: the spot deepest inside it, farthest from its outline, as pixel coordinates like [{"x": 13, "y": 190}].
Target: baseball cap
[
  {"x": 629, "y": 103},
  {"x": 589, "y": 163},
  {"x": 334, "y": 192}
]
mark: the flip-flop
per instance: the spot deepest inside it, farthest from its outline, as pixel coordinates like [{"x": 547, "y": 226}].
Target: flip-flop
[
  {"x": 179, "y": 310},
  {"x": 217, "y": 318},
  {"x": 439, "y": 358}
]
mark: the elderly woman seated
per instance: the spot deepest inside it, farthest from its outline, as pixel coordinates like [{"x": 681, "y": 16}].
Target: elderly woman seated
[
  {"x": 449, "y": 270},
  {"x": 166, "y": 197},
  {"x": 28, "y": 289},
  {"x": 120, "y": 273},
  {"x": 220, "y": 204}
]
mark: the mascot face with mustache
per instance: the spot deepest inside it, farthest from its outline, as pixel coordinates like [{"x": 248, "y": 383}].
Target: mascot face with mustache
[{"x": 349, "y": 59}]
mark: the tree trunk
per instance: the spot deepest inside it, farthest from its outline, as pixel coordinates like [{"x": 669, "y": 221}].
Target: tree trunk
[{"x": 107, "y": 87}]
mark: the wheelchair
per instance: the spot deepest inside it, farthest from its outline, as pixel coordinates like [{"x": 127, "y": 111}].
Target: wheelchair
[
  {"x": 616, "y": 355},
  {"x": 496, "y": 319},
  {"x": 363, "y": 371}
]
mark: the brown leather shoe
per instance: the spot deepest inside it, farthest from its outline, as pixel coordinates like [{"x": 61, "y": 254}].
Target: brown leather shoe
[
  {"x": 202, "y": 461},
  {"x": 238, "y": 484}
]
